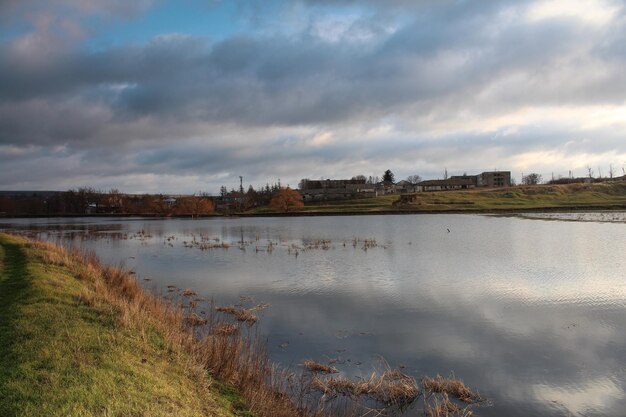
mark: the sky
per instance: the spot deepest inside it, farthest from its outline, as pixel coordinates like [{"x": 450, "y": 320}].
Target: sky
[{"x": 185, "y": 96}]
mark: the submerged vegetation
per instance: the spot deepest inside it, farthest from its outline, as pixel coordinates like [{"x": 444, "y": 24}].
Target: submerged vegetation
[
  {"x": 393, "y": 391},
  {"x": 81, "y": 338}
]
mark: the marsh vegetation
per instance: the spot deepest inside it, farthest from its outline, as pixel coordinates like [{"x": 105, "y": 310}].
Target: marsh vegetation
[{"x": 508, "y": 304}]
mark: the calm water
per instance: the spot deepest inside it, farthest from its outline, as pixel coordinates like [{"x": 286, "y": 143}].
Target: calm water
[{"x": 532, "y": 313}]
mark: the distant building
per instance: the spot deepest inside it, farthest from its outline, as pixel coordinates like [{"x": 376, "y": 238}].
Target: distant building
[
  {"x": 315, "y": 190},
  {"x": 229, "y": 202},
  {"x": 446, "y": 185},
  {"x": 488, "y": 179},
  {"x": 461, "y": 182},
  {"x": 495, "y": 179},
  {"x": 405, "y": 186}
]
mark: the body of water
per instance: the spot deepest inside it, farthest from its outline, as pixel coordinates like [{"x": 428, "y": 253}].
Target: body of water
[{"x": 531, "y": 313}]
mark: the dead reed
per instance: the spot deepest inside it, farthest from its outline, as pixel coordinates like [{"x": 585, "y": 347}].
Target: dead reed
[
  {"x": 392, "y": 387},
  {"x": 241, "y": 360},
  {"x": 451, "y": 386},
  {"x": 316, "y": 367},
  {"x": 195, "y": 320},
  {"x": 189, "y": 292},
  {"x": 443, "y": 407},
  {"x": 238, "y": 360},
  {"x": 241, "y": 314},
  {"x": 225, "y": 329}
]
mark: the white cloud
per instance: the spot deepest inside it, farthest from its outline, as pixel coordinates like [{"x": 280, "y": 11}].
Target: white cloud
[{"x": 595, "y": 12}]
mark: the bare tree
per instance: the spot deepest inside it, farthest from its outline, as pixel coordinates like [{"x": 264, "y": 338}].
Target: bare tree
[
  {"x": 414, "y": 179},
  {"x": 531, "y": 179},
  {"x": 590, "y": 171},
  {"x": 611, "y": 171},
  {"x": 360, "y": 177}
]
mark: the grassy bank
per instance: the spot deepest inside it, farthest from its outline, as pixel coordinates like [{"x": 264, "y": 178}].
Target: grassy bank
[
  {"x": 81, "y": 339},
  {"x": 519, "y": 198},
  {"x": 567, "y": 197}
]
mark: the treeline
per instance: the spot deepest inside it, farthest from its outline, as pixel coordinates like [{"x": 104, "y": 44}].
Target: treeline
[
  {"x": 240, "y": 200},
  {"x": 89, "y": 201}
]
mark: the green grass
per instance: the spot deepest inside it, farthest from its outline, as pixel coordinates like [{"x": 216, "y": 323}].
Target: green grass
[
  {"x": 572, "y": 196},
  {"x": 62, "y": 356}
]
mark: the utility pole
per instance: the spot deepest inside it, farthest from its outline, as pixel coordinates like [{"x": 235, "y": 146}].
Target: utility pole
[{"x": 240, "y": 193}]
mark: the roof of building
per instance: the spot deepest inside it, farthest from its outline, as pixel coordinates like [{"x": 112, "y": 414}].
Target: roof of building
[{"x": 450, "y": 181}]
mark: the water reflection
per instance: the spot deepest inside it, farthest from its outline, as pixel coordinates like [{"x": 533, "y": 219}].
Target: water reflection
[{"x": 532, "y": 313}]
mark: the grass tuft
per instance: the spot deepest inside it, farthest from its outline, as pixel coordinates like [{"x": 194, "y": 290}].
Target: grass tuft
[
  {"x": 451, "y": 386},
  {"x": 316, "y": 367}
]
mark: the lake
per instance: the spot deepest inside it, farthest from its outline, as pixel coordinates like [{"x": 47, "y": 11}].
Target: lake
[{"x": 530, "y": 312}]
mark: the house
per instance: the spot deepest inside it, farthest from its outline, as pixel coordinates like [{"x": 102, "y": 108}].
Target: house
[
  {"x": 385, "y": 187},
  {"x": 487, "y": 179},
  {"x": 405, "y": 186},
  {"x": 445, "y": 185},
  {"x": 316, "y": 190}
]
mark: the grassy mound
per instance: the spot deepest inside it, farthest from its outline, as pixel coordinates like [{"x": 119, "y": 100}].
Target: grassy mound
[
  {"x": 570, "y": 196},
  {"x": 69, "y": 347},
  {"x": 567, "y": 197}
]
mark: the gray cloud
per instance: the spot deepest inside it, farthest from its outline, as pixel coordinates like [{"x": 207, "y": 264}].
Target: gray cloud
[{"x": 179, "y": 103}]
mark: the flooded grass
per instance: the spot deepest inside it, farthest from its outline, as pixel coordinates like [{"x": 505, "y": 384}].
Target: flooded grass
[
  {"x": 316, "y": 367},
  {"x": 392, "y": 391},
  {"x": 451, "y": 386},
  {"x": 189, "y": 292},
  {"x": 240, "y": 359},
  {"x": 392, "y": 387},
  {"x": 195, "y": 320},
  {"x": 241, "y": 314},
  {"x": 225, "y": 329}
]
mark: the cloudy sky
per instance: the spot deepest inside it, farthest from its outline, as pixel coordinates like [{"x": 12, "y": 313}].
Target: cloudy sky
[{"x": 184, "y": 96}]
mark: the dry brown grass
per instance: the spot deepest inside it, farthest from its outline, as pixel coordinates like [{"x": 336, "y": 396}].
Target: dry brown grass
[
  {"x": 240, "y": 361},
  {"x": 451, "y": 386},
  {"x": 189, "y": 292},
  {"x": 225, "y": 329},
  {"x": 443, "y": 407},
  {"x": 392, "y": 387},
  {"x": 319, "y": 367},
  {"x": 195, "y": 320},
  {"x": 241, "y": 314}
]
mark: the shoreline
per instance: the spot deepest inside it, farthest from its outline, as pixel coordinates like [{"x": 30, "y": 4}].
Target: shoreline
[
  {"x": 118, "y": 346},
  {"x": 504, "y": 211}
]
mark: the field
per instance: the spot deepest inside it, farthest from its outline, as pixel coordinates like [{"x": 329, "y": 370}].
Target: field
[{"x": 566, "y": 197}]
